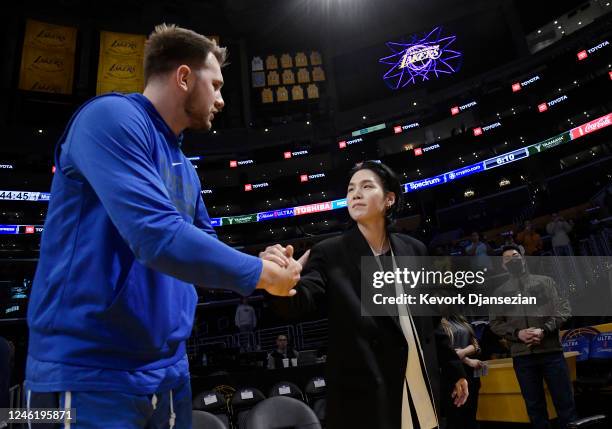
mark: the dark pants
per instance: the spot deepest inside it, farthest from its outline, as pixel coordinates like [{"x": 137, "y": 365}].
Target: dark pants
[
  {"x": 246, "y": 340},
  {"x": 246, "y": 328},
  {"x": 117, "y": 410},
  {"x": 531, "y": 371}
]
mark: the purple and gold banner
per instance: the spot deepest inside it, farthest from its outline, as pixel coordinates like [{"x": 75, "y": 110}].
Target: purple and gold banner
[
  {"x": 47, "y": 60},
  {"x": 120, "y": 66}
]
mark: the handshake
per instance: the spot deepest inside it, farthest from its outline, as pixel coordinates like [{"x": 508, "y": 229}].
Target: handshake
[{"x": 280, "y": 272}]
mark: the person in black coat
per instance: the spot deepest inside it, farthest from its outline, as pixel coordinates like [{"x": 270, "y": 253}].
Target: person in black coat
[{"x": 367, "y": 356}]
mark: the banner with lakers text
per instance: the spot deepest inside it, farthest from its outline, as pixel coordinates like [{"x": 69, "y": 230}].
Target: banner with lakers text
[
  {"x": 47, "y": 59},
  {"x": 120, "y": 66}
]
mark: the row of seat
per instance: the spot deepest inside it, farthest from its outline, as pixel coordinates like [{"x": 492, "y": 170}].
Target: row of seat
[
  {"x": 279, "y": 412},
  {"x": 244, "y": 405}
]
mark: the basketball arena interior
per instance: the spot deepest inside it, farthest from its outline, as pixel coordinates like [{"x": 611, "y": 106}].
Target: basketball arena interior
[{"x": 495, "y": 116}]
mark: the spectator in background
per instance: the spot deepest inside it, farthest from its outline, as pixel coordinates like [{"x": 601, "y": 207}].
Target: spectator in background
[
  {"x": 511, "y": 242},
  {"x": 283, "y": 351},
  {"x": 558, "y": 229},
  {"x": 463, "y": 340},
  {"x": 530, "y": 239},
  {"x": 480, "y": 253},
  {"x": 246, "y": 321},
  {"x": 537, "y": 355}
]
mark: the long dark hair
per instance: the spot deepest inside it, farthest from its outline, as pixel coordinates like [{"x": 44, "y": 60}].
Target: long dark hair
[
  {"x": 445, "y": 322},
  {"x": 390, "y": 183}
]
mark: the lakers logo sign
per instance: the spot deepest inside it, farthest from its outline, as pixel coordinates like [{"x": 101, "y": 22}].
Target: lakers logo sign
[
  {"x": 123, "y": 46},
  {"x": 421, "y": 59},
  {"x": 50, "y": 37},
  {"x": 121, "y": 71}
]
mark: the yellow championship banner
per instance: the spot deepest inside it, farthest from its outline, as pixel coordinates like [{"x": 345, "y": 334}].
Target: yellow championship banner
[
  {"x": 120, "y": 66},
  {"x": 47, "y": 59}
]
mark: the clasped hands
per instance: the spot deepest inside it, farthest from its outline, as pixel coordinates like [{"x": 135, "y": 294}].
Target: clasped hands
[
  {"x": 280, "y": 272},
  {"x": 531, "y": 336}
]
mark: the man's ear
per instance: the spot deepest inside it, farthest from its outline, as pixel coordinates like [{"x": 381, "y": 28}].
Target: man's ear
[{"x": 182, "y": 75}]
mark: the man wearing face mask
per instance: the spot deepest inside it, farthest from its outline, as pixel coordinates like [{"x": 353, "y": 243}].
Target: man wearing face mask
[{"x": 533, "y": 335}]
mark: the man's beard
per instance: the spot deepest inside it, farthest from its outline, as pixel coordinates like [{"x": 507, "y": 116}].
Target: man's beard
[{"x": 197, "y": 121}]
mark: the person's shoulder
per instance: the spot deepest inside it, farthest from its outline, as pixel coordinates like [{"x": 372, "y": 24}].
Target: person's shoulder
[
  {"x": 112, "y": 100},
  {"x": 409, "y": 239},
  {"x": 113, "y": 115},
  {"x": 328, "y": 244},
  {"x": 112, "y": 107},
  {"x": 416, "y": 244},
  {"x": 540, "y": 279}
]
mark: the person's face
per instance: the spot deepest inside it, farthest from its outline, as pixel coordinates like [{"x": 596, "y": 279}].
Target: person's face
[
  {"x": 475, "y": 237},
  {"x": 204, "y": 99},
  {"x": 508, "y": 255},
  {"x": 281, "y": 342},
  {"x": 366, "y": 197},
  {"x": 528, "y": 226}
]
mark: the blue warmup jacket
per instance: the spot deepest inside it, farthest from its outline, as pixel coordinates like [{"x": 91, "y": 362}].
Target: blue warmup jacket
[{"x": 126, "y": 237}]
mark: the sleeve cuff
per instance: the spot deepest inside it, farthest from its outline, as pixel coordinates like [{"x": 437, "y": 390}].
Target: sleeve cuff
[{"x": 253, "y": 278}]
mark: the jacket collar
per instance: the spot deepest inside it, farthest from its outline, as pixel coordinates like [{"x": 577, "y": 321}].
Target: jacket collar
[{"x": 356, "y": 247}]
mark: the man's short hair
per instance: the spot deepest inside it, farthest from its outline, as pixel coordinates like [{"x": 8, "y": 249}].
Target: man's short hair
[
  {"x": 507, "y": 247},
  {"x": 170, "y": 46}
]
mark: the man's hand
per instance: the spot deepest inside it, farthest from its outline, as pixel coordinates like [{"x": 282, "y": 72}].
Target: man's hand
[
  {"x": 280, "y": 271},
  {"x": 525, "y": 335},
  {"x": 531, "y": 336},
  {"x": 278, "y": 254},
  {"x": 304, "y": 258},
  {"x": 460, "y": 392},
  {"x": 538, "y": 335},
  {"x": 279, "y": 281},
  {"x": 283, "y": 255}
]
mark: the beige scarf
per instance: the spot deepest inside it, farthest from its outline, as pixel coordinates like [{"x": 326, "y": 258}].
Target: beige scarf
[{"x": 415, "y": 383}]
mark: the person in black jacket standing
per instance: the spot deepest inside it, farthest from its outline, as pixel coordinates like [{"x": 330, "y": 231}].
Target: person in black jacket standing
[{"x": 374, "y": 378}]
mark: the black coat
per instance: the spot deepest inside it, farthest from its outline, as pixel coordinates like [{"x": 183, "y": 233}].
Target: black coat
[{"x": 367, "y": 356}]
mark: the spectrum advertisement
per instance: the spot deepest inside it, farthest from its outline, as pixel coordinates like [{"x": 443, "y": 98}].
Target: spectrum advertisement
[{"x": 498, "y": 161}]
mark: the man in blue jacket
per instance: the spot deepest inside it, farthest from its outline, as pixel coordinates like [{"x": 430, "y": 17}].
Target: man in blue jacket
[{"x": 126, "y": 237}]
